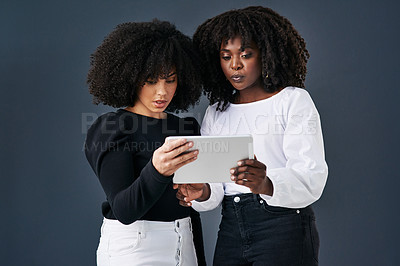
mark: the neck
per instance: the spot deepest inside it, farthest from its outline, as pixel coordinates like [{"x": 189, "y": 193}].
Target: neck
[
  {"x": 254, "y": 95},
  {"x": 160, "y": 115}
]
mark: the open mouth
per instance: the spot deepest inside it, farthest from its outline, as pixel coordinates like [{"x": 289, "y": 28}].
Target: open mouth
[
  {"x": 237, "y": 78},
  {"x": 160, "y": 103}
]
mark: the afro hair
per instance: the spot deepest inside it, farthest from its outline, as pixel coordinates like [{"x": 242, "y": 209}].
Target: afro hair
[
  {"x": 283, "y": 51},
  {"x": 136, "y": 52}
]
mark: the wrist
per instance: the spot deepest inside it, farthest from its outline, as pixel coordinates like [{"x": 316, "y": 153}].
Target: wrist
[
  {"x": 269, "y": 187},
  {"x": 159, "y": 169},
  {"x": 206, "y": 193}
]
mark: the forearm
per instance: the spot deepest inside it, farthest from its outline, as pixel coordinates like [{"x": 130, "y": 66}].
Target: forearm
[
  {"x": 269, "y": 187},
  {"x": 130, "y": 199},
  {"x": 296, "y": 189}
]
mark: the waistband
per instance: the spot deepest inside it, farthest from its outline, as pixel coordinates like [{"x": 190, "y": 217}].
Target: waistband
[
  {"x": 145, "y": 226},
  {"x": 248, "y": 198}
]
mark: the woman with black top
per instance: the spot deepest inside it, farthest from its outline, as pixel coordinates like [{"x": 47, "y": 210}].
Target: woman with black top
[{"x": 146, "y": 69}]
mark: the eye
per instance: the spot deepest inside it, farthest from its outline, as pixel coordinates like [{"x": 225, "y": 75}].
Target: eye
[
  {"x": 225, "y": 57},
  {"x": 170, "y": 81},
  {"x": 246, "y": 56},
  {"x": 151, "y": 82}
]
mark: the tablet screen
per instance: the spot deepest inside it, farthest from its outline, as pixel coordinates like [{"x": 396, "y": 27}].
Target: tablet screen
[{"x": 217, "y": 155}]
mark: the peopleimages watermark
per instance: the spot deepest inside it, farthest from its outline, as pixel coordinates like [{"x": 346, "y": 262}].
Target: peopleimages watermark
[
  {"x": 212, "y": 146},
  {"x": 144, "y": 146},
  {"x": 127, "y": 123},
  {"x": 137, "y": 146},
  {"x": 297, "y": 124}
]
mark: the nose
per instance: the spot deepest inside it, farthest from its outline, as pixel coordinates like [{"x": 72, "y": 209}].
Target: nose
[
  {"x": 161, "y": 88},
  {"x": 236, "y": 63}
]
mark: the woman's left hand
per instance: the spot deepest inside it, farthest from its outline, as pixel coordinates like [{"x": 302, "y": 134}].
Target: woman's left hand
[{"x": 252, "y": 174}]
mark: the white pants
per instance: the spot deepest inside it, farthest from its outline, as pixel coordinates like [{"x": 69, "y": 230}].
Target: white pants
[{"x": 146, "y": 243}]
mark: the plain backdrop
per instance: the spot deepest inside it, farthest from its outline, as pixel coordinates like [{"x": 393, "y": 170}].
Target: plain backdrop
[{"x": 50, "y": 198}]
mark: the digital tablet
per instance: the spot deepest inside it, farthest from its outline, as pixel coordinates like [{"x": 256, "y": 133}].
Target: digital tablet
[{"x": 217, "y": 155}]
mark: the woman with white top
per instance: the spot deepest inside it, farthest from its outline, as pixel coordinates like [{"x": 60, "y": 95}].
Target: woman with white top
[{"x": 255, "y": 66}]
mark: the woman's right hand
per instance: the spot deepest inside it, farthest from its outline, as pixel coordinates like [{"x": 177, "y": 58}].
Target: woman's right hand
[
  {"x": 169, "y": 158},
  {"x": 188, "y": 192}
]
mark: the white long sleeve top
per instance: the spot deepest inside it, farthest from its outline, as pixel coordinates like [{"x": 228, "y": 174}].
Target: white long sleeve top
[{"x": 287, "y": 138}]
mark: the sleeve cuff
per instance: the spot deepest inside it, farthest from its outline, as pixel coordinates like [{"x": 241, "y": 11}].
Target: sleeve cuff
[
  {"x": 213, "y": 202},
  {"x": 291, "y": 192},
  {"x": 152, "y": 171},
  {"x": 274, "y": 199}
]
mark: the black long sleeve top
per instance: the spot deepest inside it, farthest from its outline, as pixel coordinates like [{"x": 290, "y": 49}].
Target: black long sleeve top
[{"x": 119, "y": 147}]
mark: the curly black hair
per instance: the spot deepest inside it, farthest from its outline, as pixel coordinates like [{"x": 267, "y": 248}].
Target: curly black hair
[
  {"x": 283, "y": 51},
  {"x": 135, "y": 52}
]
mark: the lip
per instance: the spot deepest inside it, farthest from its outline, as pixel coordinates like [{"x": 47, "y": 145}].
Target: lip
[
  {"x": 237, "y": 78},
  {"x": 160, "y": 103}
]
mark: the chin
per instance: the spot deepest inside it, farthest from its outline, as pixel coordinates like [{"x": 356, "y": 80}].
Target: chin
[
  {"x": 158, "y": 111},
  {"x": 239, "y": 88}
]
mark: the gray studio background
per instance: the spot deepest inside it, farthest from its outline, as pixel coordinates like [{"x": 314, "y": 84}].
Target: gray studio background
[{"x": 50, "y": 198}]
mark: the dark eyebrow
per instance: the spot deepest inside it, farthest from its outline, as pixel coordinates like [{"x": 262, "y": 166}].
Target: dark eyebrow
[
  {"x": 248, "y": 46},
  {"x": 242, "y": 48},
  {"x": 168, "y": 76}
]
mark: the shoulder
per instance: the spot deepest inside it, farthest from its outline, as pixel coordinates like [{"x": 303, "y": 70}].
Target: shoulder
[
  {"x": 296, "y": 96},
  {"x": 109, "y": 132},
  {"x": 187, "y": 120},
  {"x": 112, "y": 126},
  {"x": 190, "y": 119},
  {"x": 172, "y": 118},
  {"x": 211, "y": 117},
  {"x": 293, "y": 93},
  {"x": 192, "y": 124},
  {"x": 212, "y": 113},
  {"x": 185, "y": 125},
  {"x": 298, "y": 101},
  {"x": 101, "y": 123}
]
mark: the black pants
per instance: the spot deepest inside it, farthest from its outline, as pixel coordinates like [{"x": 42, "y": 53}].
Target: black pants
[{"x": 253, "y": 233}]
